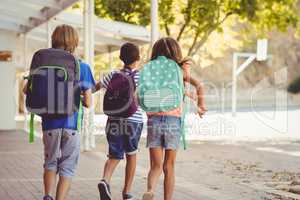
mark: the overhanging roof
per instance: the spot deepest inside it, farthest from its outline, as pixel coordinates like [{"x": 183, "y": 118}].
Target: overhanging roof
[
  {"x": 118, "y": 29},
  {"x": 23, "y": 15},
  {"x": 109, "y": 35},
  {"x": 29, "y": 16}
]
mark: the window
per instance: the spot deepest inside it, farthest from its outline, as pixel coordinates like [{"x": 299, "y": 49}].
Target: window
[{"x": 5, "y": 56}]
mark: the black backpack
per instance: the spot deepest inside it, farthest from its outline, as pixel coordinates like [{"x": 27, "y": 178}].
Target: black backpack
[
  {"x": 53, "y": 87},
  {"x": 119, "y": 100}
]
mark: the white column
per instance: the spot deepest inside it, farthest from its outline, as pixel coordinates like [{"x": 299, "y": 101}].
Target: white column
[
  {"x": 25, "y": 46},
  {"x": 154, "y": 21},
  {"x": 89, "y": 36},
  {"x": 17, "y": 96},
  {"x": 85, "y": 31},
  {"x": 7, "y": 81},
  {"x": 87, "y": 134},
  {"x": 49, "y": 33},
  {"x": 91, "y": 16},
  {"x": 92, "y": 64},
  {"x": 234, "y": 84},
  {"x": 25, "y": 43}
]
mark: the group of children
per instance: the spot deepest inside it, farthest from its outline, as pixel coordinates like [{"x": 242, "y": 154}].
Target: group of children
[{"x": 62, "y": 143}]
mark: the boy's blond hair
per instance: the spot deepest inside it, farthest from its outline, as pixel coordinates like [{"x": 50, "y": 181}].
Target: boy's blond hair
[{"x": 65, "y": 37}]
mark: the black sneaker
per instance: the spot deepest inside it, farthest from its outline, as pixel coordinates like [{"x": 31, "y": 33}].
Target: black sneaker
[
  {"x": 47, "y": 198},
  {"x": 127, "y": 197},
  {"x": 104, "y": 190}
]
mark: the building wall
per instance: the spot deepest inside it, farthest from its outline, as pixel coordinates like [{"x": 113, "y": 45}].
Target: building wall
[{"x": 7, "y": 82}]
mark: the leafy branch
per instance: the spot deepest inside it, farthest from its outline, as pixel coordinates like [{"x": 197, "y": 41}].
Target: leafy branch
[{"x": 203, "y": 17}]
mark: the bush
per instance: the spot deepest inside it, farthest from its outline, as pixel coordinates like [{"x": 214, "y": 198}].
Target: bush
[{"x": 294, "y": 86}]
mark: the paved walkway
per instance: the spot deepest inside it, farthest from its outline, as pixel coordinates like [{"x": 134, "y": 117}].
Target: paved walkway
[
  {"x": 206, "y": 171},
  {"x": 21, "y": 172}
]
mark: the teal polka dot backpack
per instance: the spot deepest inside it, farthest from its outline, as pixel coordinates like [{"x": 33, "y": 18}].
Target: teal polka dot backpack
[{"x": 161, "y": 87}]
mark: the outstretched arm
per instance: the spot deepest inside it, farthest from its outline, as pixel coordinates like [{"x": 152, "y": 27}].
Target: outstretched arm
[{"x": 200, "y": 93}]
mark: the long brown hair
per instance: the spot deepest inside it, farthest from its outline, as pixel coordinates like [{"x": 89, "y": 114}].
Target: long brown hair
[
  {"x": 167, "y": 47},
  {"x": 65, "y": 37}
]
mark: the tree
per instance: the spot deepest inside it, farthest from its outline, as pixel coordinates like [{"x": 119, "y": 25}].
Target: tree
[
  {"x": 200, "y": 18},
  {"x": 294, "y": 86},
  {"x": 132, "y": 11}
]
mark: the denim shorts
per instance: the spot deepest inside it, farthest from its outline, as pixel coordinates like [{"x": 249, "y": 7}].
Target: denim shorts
[
  {"x": 164, "y": 131},
  {"x": 61, "y": 151},
  {"x": 123, "y": 137}
]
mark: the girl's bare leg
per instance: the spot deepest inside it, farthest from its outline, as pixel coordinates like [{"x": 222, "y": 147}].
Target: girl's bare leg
[
  {"x": 156, "y": 160},
  {"x": 169, "y": 172}
]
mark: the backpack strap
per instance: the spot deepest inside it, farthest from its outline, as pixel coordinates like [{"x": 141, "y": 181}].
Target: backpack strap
[
  {"x": 31, "y": 120},
  {"x": 183, "y": 126},
  {"x": 80, "y": 116},
  {"x": 131, "y": 74},
  {"x": 31, "y": 128},
  {"x": 77, "y": 70},
  {"x": 80, "y": 111}
]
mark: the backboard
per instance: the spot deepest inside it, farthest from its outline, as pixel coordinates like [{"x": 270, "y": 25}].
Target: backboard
[{"x": 262, "y": 50}]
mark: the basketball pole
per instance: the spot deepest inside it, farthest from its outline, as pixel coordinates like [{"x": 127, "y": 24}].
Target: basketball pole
[
  {"x": 234, "y": 82},
  {"x": 260, "y": 55},
  {"x": 250, "y": 57}
]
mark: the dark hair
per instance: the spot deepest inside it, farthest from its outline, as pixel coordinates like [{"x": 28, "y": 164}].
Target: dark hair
[
  {"x": 167, "y": 47},
  {"x": 129, "y": 53}
]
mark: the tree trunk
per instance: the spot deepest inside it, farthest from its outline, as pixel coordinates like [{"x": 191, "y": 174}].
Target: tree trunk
[
  {"x": 194, "y": 43},
  {"x": 195, "y": 47},
  {"x": 181, "y": 31},
  {"x": 167, "y": 29}
]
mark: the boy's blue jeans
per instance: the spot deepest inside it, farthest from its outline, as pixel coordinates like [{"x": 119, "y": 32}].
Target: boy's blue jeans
[{"x": 123, "y": 137}]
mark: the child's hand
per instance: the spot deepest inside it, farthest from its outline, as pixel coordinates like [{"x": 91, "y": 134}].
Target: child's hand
[
  {"x": 187, "y": 64},
  {"x": 201, "y": 111},
  {"x": 191, "y": 95},
  {"x": 97, "y": 87}
]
